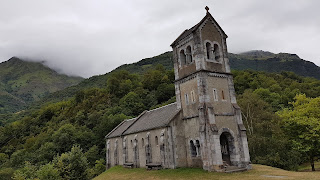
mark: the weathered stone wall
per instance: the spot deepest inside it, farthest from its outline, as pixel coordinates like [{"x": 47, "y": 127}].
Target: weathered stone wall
[
  {"x": 178, "y": 134},
  {"x": 219, "y": 83},
  {"x": 187, "y": 69},
  {"x": 191, "y": 128},
  {"x": 210, "y": 33},
  {"x": 139, "y": 141},
  {"x": 189, "y": 88}
]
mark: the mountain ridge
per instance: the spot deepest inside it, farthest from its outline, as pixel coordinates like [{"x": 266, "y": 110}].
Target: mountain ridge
[
  {"x": 258, "y": 60},
  {"x": 243, "y": 61},
  {"x": 23, "y": 82}
]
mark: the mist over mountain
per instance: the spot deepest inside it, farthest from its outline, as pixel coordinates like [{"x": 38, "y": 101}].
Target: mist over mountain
[{"x": 23, "y": 82}]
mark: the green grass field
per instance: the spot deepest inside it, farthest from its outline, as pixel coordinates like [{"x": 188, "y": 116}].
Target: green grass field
[{"x": 257, "y": 172}]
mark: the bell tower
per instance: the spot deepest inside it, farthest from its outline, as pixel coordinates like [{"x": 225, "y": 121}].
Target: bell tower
[{"x": 205, "y": 93}]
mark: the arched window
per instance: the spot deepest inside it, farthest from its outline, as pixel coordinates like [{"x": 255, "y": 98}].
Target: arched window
[
  {"x": 156, "y": 140},
  {"x": 215, "y": 94},
  {"x": 193, "y": 149},
  {"x": 209, "y": 50},
  {"x": 142, "y": 142},
  {"x": 148, "y": 149},
  {"x": 222, "y": 95},
  {"x": 116, "y": 160},
  {"x": 108, "y": 154},
  {"x": 183, "y": 59},
  {"x": 193, "y": 99},
  {"x": 198, "y": 147},
  {"x": 125, "y": 152},
  {"x": 187, "y": 99},
  {"x": 216, "y": 52},
  {"x": 189, "y": 54}
]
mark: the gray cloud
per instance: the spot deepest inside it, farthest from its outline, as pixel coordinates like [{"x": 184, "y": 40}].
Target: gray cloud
[{"x": 87, "y": 38}]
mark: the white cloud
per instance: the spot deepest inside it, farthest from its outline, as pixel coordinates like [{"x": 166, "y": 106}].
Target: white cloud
[{"x": 93, "y": 37}]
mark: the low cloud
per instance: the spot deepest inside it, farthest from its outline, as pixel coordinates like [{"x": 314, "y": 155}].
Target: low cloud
[{"x": 87, "y": 38}]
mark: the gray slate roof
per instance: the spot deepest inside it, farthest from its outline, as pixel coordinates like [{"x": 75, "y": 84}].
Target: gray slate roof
[
  {"x": 187, "y": 32},
  {"x": 148, "y": 120},
  {"x": 117, "y": 131}
]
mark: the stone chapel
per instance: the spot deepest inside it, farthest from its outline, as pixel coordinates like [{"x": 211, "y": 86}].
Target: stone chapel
[{"x": 203, "y": 128}]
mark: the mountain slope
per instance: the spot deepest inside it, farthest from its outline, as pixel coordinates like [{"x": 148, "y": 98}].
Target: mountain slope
[
  {"x": 100, "y": 81},
  {"x": 269, "y": 62},
  {"x": 23, "y": 82},
  {"x": 254, "y": 60}
]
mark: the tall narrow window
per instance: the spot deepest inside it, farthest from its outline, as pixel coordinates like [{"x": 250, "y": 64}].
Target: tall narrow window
[
  {"x": 125, "y": 149},
  {"x": 209, "y": 50},
  {"x": 189, "y": 54},
  {"x": 108, "y": 154},
  {"x": 193, "y": 99},
  {"x": 183, "y": 58},
  {"x": 216, "y": 52},
  {"x": 198, "y": 147},
  {"x": 156, "y": 139},
  {"x": 142, "y": 142},
  {"x": 148, "y": 149},
  {"x": 193, "y": 149},
  {"x": 187, "y": 99},
  {"x": 222, "y": 95},
  {"x": 215, "y": 94},
  {"x": 116, "y": 160}
]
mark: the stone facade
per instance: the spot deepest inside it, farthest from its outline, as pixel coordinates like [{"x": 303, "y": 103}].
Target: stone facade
[{"x": 204, "y": 127}]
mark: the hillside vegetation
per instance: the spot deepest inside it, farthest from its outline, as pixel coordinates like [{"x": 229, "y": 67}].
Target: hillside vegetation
[
  {"x": 61, "y": 134},
  {"x": 23, "y": 82},
  {"x": 65, "y": 139},
  {"x": 252, "y": 60},
  {"x": 259, "y": 172},
  {"x": 269, "y": 62}
]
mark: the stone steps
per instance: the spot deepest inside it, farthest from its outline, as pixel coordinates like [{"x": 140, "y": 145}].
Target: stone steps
[{"x": 232, "y": 169}]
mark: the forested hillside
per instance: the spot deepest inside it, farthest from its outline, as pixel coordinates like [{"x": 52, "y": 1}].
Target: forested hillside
[
  {"x": 252, "y": 60},
  {"x": 23, "y": 82},
  {"x": 65, "y": 139},
  {"x": 269, "y": 62},
  {"x": 54, "y": 139}
]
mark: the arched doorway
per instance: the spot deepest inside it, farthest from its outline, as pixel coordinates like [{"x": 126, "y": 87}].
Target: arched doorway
[{"x": 226, "y": 142}]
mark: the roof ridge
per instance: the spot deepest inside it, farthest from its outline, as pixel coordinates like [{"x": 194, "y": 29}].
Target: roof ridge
[
  {"x": 115, "y": 128},
  {"x": 130, "y": 119},
  {"x": 162, "y": 107},
  {"x": 137, "y": 118},
  {"x": 187, "y": 32}
]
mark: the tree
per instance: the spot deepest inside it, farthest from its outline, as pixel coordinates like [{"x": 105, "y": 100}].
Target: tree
[
  {"x": 302, "y": 125},
  {"x": 4, "y": 158},
  {"x": 27, "y": 172},
  {"x": 72, "y": 165},
  {"x": 48, "y": 172},
  {"x": 131, "y": 104},
  {"x": 64, "y": 138},
  {"x": 99, "y": 168},
  {"x": 256, "y": 113}
]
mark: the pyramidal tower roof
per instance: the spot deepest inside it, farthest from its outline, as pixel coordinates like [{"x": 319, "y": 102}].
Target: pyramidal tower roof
[{"x": 187, "y": 32}]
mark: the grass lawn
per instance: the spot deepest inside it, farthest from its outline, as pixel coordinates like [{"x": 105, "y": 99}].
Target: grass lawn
[{"x": 258, "y": 172}]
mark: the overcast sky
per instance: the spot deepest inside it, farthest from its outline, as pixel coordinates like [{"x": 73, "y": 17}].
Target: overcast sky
[{"x": 91, "y": 37}]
